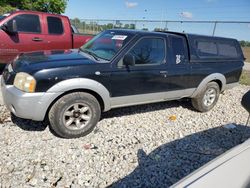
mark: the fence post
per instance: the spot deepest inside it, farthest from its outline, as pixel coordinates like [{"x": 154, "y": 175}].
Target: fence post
[
  {"x": 166, "y": 26},
  {"x": 215, "y": 24},
  {"x": 82, "y": 26},
  {"x": 85, "y": 25}
]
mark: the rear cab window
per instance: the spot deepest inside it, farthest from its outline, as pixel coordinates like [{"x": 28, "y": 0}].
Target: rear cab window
[
  {"x": 179, "y": 49},
  {"x": 55, "y": 25}
]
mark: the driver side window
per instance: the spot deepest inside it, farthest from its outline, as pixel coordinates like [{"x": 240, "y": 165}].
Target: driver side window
[
  {"x": 149, "y": 51},
  {"x": 29, "y": 23}
]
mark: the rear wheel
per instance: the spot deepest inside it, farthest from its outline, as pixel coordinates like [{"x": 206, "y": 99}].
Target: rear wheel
[
  {"x": 74, "y": 115},
  {"x": 207, "y": 98}
]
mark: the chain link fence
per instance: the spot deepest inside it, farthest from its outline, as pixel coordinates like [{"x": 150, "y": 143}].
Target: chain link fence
[{"x": 234, "y": 29}]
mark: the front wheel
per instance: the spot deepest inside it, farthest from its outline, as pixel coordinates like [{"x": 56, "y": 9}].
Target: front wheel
[
  {"x": 207, "y": 98},
  {"x": 74, "y": 115}
]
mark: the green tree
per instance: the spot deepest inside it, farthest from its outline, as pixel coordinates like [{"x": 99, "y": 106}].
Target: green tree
[
  {"x": 243, "y": 43},
  {"x": 132, "y": 26},
  {"x": 157, "y": 29},
  {"x": 109, "y": 26},
  {"x": 6, "y": 8},
  {"x": 76, "y": 22},
  {"x": 126, "y": 26},
  {"x": 52, "y": 6}
]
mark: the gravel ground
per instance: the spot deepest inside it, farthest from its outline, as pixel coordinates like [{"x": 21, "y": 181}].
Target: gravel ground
[
  {"x": 131, "y": 147},
  {"x": 1, "y": 98},
  {"x": 247, "y": 66}
]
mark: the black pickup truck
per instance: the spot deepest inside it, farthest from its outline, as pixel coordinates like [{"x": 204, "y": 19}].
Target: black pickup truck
[{"x": 119, "y": 68}]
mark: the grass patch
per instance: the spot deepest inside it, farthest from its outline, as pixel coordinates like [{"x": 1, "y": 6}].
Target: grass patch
[
  {"x": 246, "y": 52},
  {"x": 245, "y": 78}
]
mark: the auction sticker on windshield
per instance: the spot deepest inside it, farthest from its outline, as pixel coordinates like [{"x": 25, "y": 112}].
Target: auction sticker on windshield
[{"x": 119, "y": 37}]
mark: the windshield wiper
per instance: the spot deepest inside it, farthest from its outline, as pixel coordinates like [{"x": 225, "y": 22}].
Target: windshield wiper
[{"x": 90, "y": 53}]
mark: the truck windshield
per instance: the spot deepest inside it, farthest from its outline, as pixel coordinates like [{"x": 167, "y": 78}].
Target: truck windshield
[{"x": 106, "y": 45}]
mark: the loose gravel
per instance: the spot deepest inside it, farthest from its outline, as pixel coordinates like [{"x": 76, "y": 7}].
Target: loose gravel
[
  {"x": 142, "y": 146},
  {"x": 247, "y": 66}
]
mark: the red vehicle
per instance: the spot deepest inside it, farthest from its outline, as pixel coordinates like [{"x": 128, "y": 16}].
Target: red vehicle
[{"x": 26, "y": 31}]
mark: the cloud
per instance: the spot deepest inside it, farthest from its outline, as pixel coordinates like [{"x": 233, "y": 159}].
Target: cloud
[
  {"x": 131, "y": 4},
  {"x": 186, "y": 14}
]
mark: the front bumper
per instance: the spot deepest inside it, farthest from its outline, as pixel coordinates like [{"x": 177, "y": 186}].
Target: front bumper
[{"x": 26, "y": 105}]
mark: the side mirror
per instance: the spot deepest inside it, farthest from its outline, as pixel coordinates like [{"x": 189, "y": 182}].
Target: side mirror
[
  {"x": 245, "y": 102},
  {"x": 129, "y": 60},
  {"x": 10, "y": 27}
]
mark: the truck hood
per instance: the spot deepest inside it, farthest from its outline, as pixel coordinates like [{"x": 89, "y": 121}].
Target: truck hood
[{"x": 49, "y": 59}]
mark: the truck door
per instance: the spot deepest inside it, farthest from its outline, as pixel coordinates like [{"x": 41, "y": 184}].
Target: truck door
[
  {"x": 29, "y": 36},
  {"x": 59, "y": 34},
  {"x": 149, "y": 73}
]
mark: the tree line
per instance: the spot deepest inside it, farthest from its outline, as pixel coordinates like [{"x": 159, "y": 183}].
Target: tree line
[
  {"x": 244, "y": 43},
  {"x": 84, "y": 26},
  {"x": 52, "y": 6}
]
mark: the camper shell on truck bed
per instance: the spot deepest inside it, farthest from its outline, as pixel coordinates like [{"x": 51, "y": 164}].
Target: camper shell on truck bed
[
  {"x": 211, "y": 48},
  {"x": 119, "y": 68}
]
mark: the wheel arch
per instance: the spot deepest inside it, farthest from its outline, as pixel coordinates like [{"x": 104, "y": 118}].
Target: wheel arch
[
  {"x": 215, "y": 77},
  {"x": 96, "y": 95},
  {"x": 81, "y": 85}
]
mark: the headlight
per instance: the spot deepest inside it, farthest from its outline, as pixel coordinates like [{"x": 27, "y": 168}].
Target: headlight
[{"x": 25, "y": 82}]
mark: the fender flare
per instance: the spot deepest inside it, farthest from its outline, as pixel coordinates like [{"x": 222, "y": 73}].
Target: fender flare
[
  {"x": 209, "y": 78},
  {"x": 82, "y": 83}
]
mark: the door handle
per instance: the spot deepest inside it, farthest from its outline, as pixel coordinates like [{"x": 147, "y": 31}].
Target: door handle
[
  {"x": 164, "y": 73},
  {"x": 98, "y": 73},
  {"x": 37, "y": 39}
]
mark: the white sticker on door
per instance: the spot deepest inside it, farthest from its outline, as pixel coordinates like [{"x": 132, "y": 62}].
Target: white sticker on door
[{"x": 178, "y": 59}]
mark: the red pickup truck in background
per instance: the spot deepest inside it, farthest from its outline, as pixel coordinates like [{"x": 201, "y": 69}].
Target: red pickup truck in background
[{"x": 26, "y": 31}]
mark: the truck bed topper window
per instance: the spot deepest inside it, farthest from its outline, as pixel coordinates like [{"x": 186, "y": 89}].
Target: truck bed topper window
[{"x": 216, "y": 49}]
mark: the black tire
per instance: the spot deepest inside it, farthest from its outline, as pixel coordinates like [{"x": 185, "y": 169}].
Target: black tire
[
  {"x": 70, "y": 109},
  {"x": 202, "y": 102}
]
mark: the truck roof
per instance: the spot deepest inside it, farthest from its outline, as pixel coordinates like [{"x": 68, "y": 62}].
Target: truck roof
[
  {"x": 201, "y": 47},
  {"x": 187, "y": 35},
  {"x": 36, "y": 12},
  {"x": 191, "y": 35}
]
